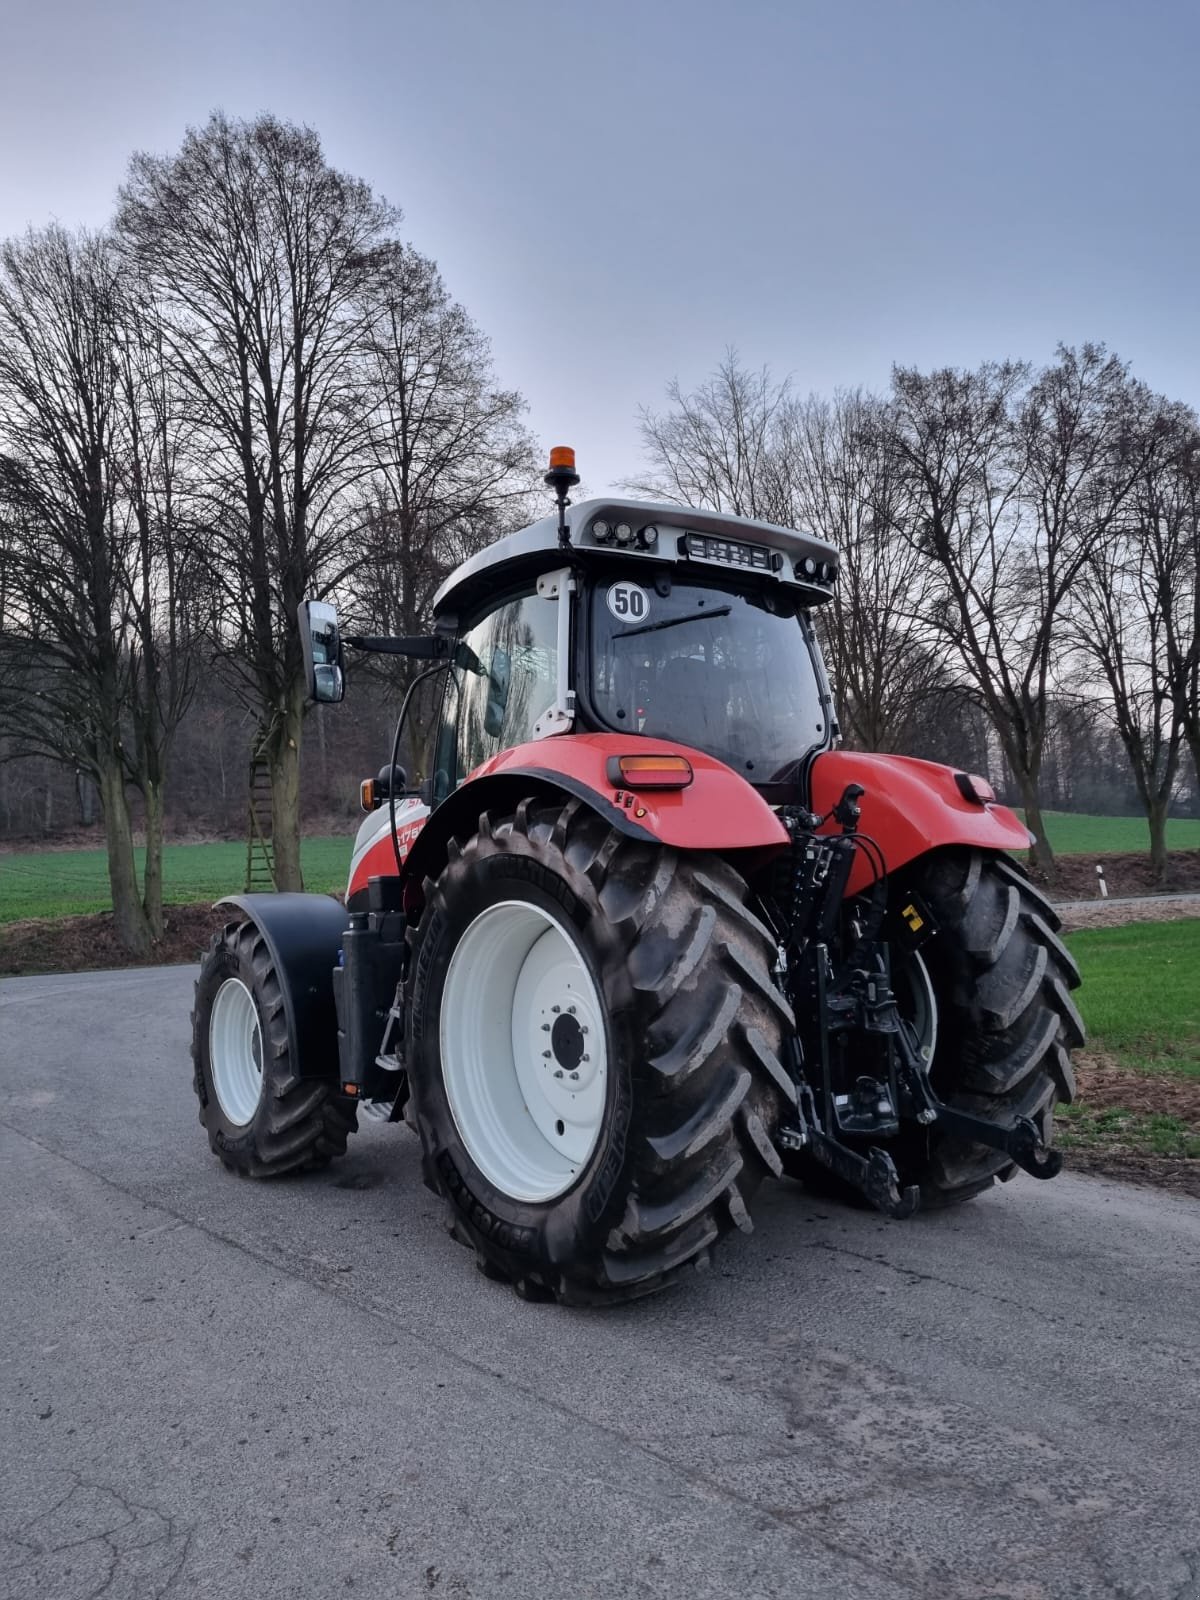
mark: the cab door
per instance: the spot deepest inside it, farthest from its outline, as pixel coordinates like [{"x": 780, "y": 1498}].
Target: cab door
[{"x": 495, "y": 702}]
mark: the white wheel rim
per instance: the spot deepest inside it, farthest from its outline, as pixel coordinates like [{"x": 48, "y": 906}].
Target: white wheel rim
[
  {"x": 524, "y": 1057},
  {"x": 235, "y": 1051},
  {"x": 919, "y": 1005}
]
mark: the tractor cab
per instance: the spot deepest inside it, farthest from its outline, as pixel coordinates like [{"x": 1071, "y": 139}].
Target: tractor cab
[{"x": 642, "y": 620}]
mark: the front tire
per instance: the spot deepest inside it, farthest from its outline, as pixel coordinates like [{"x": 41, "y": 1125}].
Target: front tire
[
  {"x": 261, "y": 1118},
  {"x": 669, "y": 973}
]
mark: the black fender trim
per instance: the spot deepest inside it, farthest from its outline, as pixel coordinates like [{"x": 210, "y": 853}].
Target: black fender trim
[
  {"x": 463, "y": 808},
  {"x": 600, "y": 803},
  {"x": 303, "y": 933}
]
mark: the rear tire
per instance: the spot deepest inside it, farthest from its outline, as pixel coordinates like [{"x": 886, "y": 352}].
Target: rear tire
[
  {"x": 692, "y": 1028},
  {"x": 261, "y": 1118},
  {"x": 1006, "y": 1023},
  {"x": 1006, "y": 1020}
]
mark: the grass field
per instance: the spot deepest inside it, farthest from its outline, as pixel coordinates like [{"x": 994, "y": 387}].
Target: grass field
[
  {"x": 1141, "y": 1002},
  {"x": 60, "y": 883},
  {"x": 1141, "y": 993},
  {"x": 1076, "y": 835}
]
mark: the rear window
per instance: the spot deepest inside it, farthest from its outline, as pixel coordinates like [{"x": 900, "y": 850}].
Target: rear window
[{"x": 729, "y": 673}]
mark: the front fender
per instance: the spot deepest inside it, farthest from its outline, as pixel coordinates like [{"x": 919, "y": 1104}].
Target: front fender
[
  {"x": 909, "y": 808},
  {"x": 303, "y": 933}
]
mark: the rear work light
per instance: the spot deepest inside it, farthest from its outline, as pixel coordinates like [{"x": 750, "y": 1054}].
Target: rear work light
[
  {"x": 972, "y": 787},
  {"x": 649, "y": 772}
]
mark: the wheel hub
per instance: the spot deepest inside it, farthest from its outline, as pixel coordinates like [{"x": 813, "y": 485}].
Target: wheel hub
[{"x": 566, "y": 1041}]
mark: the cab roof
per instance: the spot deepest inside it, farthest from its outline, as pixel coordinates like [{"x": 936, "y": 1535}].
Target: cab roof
[{"x": 696, "y": 541}]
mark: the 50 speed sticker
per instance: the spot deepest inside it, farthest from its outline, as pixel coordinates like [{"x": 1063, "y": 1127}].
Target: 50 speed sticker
[{"x": 628, "y": 602}]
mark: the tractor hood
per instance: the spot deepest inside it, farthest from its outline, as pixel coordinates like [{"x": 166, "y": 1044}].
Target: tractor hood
[{"x": 638, "y": 530}]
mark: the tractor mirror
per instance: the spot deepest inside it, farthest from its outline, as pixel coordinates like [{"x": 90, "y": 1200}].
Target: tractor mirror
[
  {"x": 321, "y": 644},
  {"x": 499, "y": 679}
]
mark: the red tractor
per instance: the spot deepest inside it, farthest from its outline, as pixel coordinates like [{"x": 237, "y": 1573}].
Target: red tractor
[{"x": 646, "y": 936}]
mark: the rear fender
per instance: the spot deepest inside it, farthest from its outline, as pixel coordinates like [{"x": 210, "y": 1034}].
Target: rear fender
[
  {"x": 910, "y": 807},
  {"x": 717, "y": 811},
  {"x": 303, "y": 934}
]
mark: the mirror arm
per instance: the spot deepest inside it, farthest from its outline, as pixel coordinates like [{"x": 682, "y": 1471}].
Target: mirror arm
[{"x": 433, "y": 645}]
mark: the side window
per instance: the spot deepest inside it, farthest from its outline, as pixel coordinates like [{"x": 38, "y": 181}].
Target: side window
[{"x": 493, "y": 706}]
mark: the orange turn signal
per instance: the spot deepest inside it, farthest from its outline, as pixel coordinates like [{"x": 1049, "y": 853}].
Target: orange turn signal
[
  {"x": 562, "y": 455},
  {"x": 649, "y": 772},
  {"x": 366, "y": 794}
]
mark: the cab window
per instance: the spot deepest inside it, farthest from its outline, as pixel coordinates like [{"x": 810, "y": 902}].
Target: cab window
[{"x": 511, "y": 680}]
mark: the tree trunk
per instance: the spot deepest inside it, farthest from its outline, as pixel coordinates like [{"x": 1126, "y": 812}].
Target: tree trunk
[
  {"x": 285, "y": 789},
  {"x": 1041, "y": 856},
  {"x": 322, "y": 745},
  {"x": 152, "y": 877},
  {"x": 86, "y": 796},
  {"x": 1156, "y": 816},
  {"x": 133, "y": 930}
]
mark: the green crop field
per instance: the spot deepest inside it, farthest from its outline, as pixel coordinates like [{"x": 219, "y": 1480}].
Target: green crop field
[
  {"x": 59, "y": 883},
  {"x": 1072, "y": 834},
  {"x": 1141, "y": 993},
  {"x": 62, "y": 883},
  {"x": 1141, "y": 1002}
]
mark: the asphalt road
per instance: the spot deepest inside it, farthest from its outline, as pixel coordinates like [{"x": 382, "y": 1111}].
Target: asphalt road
[{"x": 217, "y": 1388}]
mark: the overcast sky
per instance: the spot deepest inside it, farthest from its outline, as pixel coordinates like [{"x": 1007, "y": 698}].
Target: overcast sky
[{"x": 617, "y": 191}]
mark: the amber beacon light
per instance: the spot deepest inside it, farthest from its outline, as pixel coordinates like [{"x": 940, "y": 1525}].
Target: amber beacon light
[{"x": 561, "y": 477}]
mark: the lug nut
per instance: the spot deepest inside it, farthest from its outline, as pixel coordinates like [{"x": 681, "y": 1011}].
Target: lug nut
[
  {"x": 571, "y": 1009},
  {"x": 556, "y": 1009},
  {"x": 558, "y": 1074},
  {"x": 545, "y": 1027},
  {"x": 545, "y": 1055},
  {"x": 574, "y": 1077}
]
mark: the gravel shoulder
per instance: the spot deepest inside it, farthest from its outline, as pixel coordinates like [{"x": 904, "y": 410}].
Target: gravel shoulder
[{"x": 1078, "y": 914}]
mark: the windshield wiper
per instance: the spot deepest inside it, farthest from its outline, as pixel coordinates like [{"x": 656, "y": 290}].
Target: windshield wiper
[{"x": 673, "y": 622}]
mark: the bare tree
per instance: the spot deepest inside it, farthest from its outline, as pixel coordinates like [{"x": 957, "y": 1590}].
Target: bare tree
[
  {"x": 1015, "y": 482},
  {"x": 152, "y": 471},
  {"x": 81, "y": 656},
  {"x": 451, "y": 463},
  {"x": 718, "y": 446},
  {"x": 1178, "y": 514},
  {"x": 845, "y": 486},
  {"x": 1134, "y": 609},
  {"x": 268, "y": 262}
]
